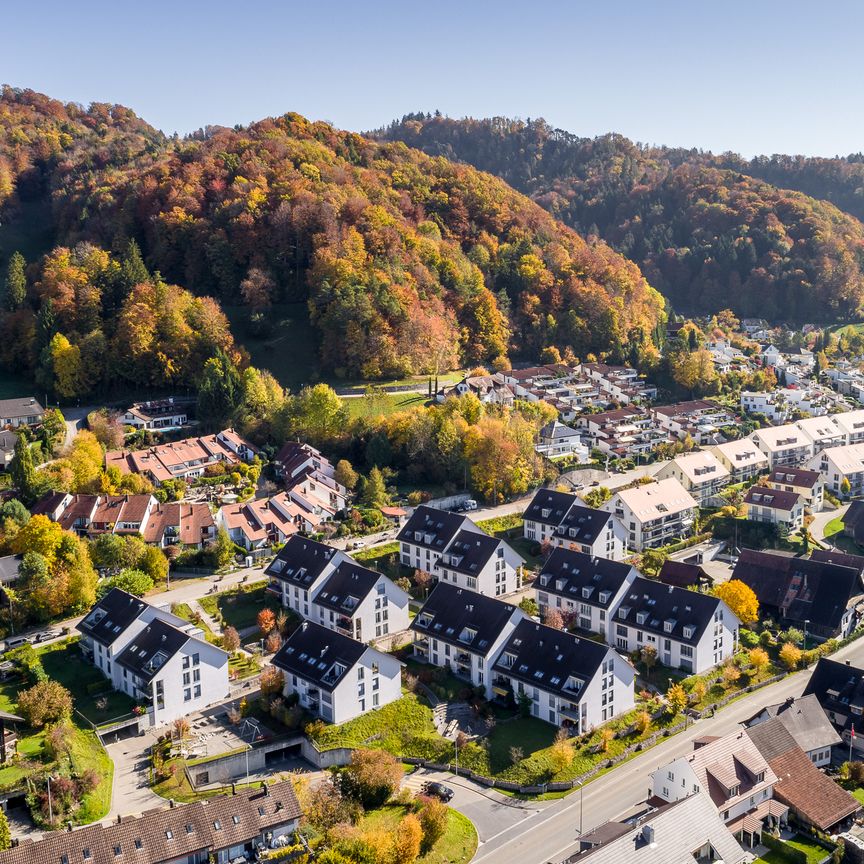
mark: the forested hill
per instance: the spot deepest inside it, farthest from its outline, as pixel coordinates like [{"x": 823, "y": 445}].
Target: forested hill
[
  {"x": 706, "y": 233},
  {"x": 408, "y": 263}
]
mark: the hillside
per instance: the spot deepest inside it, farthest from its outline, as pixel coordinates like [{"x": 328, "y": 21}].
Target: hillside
[{"x": 705, "y": 235}]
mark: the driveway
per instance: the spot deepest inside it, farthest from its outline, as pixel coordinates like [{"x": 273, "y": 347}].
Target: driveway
[
  {"x": 131, "y": 795},
  {"x": 491, "y": 812}
]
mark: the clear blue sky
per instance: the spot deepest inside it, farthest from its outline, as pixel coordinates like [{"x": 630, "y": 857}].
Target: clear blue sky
[{"x": 759, "y": 76}]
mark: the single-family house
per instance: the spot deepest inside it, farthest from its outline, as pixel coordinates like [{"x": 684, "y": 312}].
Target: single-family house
[
  {"x": 839, "y": 687},
  {"x": 23, "y": 411},
  {"x": 557, "y": 441},
  {"x": 8, "y": 440},
  {"x": 157, "y": 414}
]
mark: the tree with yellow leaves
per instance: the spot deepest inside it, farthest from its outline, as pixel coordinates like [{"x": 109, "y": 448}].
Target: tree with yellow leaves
[
  {"x": 790, "y": 656},
  {"x": 676, "y": 699},
  {"x": 739, "y": 597}
]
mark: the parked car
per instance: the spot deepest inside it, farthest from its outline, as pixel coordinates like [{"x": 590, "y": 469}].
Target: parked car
[
  {"x": 439, "y": 790},
  {"x": 469, "y": 505}
]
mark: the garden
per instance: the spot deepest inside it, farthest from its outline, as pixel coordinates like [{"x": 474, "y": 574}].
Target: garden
[{"x": 239, "y": 607}]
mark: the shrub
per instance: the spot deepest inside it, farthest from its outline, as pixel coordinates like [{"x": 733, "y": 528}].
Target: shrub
[
  {"x": 45, "y": 702},
  {"x": 372, "y": 777},
  {"x": 790, "y": 656},
  {"x": 676, "y": 699},
  {"x": 433, "y": 821}
]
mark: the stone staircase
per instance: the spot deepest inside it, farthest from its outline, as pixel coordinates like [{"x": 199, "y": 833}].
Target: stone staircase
[{"x": 451, "y": 718}]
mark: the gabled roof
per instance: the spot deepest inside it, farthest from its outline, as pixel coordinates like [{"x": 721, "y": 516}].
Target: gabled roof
[
  {"x": 844, "y": 559},
  {"x": 152, "y": 648},
  {"x": 838, "y": 687},
  {"x": 573, "y": 571},
  {"x": 795, "y": 477},
  {"x": 556, "y": 503},
  {"x": 9, "y": 567},
  {"x": 804, "y": 719},
  {"x": 854, "y": 521},
  {"x": 799, "y": 588},
  {"x": 683, "y": 575},
  {"x": 583, "y": 524},
  {"x": 469, "y": 552},
  {"x": 555, "y": 430},
  {"x": 800, "y": 784},
  {"x": 301, "y": 561},
  {"x": 347, "y": 587},
  {"x": 551, "y": 659},
  {"x": 111, "y": 616},
  {"x": 663, "y": 605},
  {"x": 693, "y": 406},
  {"x": 450, "y": 613},
  {"x": 656, "y": 500},
  {"x": 670, "y": 835},
  {"x": 774, "y": 499},
  {"x": 23, "y": 406},
  {"x": 8, "y": 440},
  {"x": 319, "y": 655},
  {"x": 431, "y": 529}
]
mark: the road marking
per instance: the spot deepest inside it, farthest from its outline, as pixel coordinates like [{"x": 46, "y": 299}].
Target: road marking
[{"x": 519, "y": 824}]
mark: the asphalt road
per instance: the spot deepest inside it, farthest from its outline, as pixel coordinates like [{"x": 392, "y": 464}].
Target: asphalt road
[{"x": 550, "y": 835}]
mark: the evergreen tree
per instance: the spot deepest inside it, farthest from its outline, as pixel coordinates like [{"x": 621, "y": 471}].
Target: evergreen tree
[
  {"x": 46, "y": 324},
  {"x": 221, "y": 391},
  {"x": 5, "y": 833},
  {"x": 133, "y": 271},
  {"x": 374, "y": 489},
  {"x": 15, "y": 290},
  {"x": 21, "y": 468}
]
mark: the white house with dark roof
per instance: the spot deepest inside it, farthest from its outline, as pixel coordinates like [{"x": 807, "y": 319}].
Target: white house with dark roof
[
  {"x": 327, "y": 586},
  {"x": 776, "y": 507},
  {"x": 464, "y": 631},
  {"x": 742, "y": 458},
  {"x": 153, "y": 656},
  {"x": 567, "y": 680},
  {"x": 654, "y": 514},
  {"x": 427, "y": 533},
  {"x": 564, "y": 520},
  {"x": 557, "y": 441},
  {"x": 583, "y": 587},
  {"x": 809, "y": 484},
  {"x": 701, "y": 473},
  {"x": 334, "y": 676},
  {"x": 689, "y": 631},
  {"x": 25, "y": 411}
]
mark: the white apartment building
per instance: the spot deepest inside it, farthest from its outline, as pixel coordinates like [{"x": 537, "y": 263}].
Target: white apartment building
[
  {"x": 809, "y": 484},
  {"x": 583, "y": 588},
  {"x": 783, "y": 445},
  {"x": 852, "y": 425},
  {"x": 154, "y": 656},
  {"x": 655, "y": 514},
  {"x": 464, "y": 632},
  {"x": 779, "y": 405},
  {"x": 742, "y": 458},
  {"x": 837, "y": 464},
  {"x": 567, "y": 680},
  {"x": 775, "y": 507},
  {"x": 327, "y": 586},
  {"x": 334, "y": 676},
  {"x": 689, "y": 631},
  {"x": 701, "y": 473}
]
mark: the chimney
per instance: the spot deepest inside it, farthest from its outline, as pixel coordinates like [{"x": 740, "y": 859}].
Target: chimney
[
  {"x": 171, "y": 803},
  {"x": 848, "y": 663},
  {"x": 265, "y": 787},
  {"x": 233, "y": 788},
  {"x": 648, "y": 833},
  {"x": 68, "y": 827}
]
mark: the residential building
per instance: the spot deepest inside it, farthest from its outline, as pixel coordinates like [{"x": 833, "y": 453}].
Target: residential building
[
  {"x": 327, "y": 586},
  {"x": 158, "y": 414},
  {"x": 783, "y": 445},
  {"x": 783, "y": 509},
  {"x": 852, "y": 425},
  {"x": 24, "y": 411},
  {"x": 780, "y": 405},
  {"x": 464, "y": 632},
  {"x": 816, "y": 596},
  {"x": 8, "y": 440},
  {"x": 808, "y": 484},
  {"x": 853, "y": 522},
  {"x": 690, "y": 830},
  {"x": 221, "y": 829},
  {"x": 567, "y": 680},
  {"x": 804, "y": 719},
  {"x": 563, "y": 520},
  {"x": 812, "y": 796},
  {"x": 480, "y": 563},
  {"x": 489, "y": 389},
  {"x": 557, "y": 441},
  {"x": 689, "y": 631},
  {"x": 622, "y": 432},
  {"x": 583, "y": 587},
  {"x": 334, "y": 676},
  {"x": 824, "y": 432},
  {"x": 697, "y": 419},
  {"x": 452, "y": 548},
  {"x": 182, "y": 460},
  {"x": 10, "y": 566},
  {"x": 701, "y": 473},
  {"x": 621, "y": 384},
  {"x": 162, "y": 525},
  {"x": 263, "y": 522},
  {"x": 839, "y": 464},
  {"x": 153, "y": 656},
  {"x": 737, "y": 779},
  {"x": 654, "y": 514},
  {"x": 839, "y": 687},
  {"x": 742, "y": 458}
]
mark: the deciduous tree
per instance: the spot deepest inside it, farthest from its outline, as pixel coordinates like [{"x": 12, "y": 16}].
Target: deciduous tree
[{"x": 740, "y": 598}]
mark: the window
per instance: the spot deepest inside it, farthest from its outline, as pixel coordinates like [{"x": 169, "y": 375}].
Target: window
[
  {"x": 185, "y": 678},
  {"x": 186, "y": 662},
  {"x": 217, "y": 825},
  {"x": 139, "y": 844},
  {"x": 169, "y": 834},
  {"x": 197, "y": 691},
  {"x": 187, "y": 695},
  {"x": 235, "y": 820}
]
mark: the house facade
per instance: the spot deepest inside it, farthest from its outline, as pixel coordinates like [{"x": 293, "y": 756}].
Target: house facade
[
  {"x": 701, "y": 473},
  {"x": 654, "y": 514},
  {"x": 808, "y": 484},
  {"x": 157, "y": 414},
  {"x": 783, "y": 509},
  {"x": 742, "y": 459},
  {"x": 783, "y": 445},
  {"x": 689, "y": 631},
  {"x": 839, "y": 464},
  {"x": 25, "y": 411},
  {"x": 153, "y": 656},
  {"x": 335, "y": 677}
]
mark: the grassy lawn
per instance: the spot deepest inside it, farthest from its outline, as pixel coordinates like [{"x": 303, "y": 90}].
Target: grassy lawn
[
  {"x": 528, "y": 733},
  {"x": 86, "y": 754},
  {"x": 239, "y": 607},
  {"x": 814, "y": 852},
  {"x": 858, "y": 794},
  {"x": 500, "y": 525},
  {"x": 458, "y": 844},
  {"x": 64, "y": 662},
  {"x": 243, "y": 666},
  {"x": 835, "y": 526},
  {"x": 184, "y": 611},
  {"x": 383, "y": 403}
]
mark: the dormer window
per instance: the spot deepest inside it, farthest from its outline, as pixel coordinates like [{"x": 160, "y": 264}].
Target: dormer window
[
  {"x": 688, "y": 632},
  {"x": 468, "y": 634},
  {"x": 586, "y": 592},
  {"x": 669, "y": 625},
  {"x": 604, "y": 596},
  {"x": 641, "y": 617},
  {"x": 624, "y": 611}
]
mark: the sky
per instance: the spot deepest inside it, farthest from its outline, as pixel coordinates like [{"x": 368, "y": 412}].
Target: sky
[{"x": 754, "y": 77}]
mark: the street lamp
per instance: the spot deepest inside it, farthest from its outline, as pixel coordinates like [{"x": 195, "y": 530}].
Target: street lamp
[{"x": 581, "y": 792}]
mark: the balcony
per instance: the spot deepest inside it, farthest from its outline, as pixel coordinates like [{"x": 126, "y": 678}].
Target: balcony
[
  {"x": 571, "y": 712},
  {"x": 276, "y": 587},
  {"x": 345, "y": 626},
  {"x": 501, "y": 686}
]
